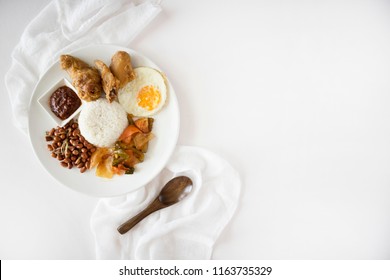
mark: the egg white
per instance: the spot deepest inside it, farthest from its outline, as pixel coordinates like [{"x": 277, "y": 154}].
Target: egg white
[{"x": 144, "y": 76}]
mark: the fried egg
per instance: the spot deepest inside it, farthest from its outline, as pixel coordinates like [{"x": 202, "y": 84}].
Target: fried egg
[{"x": 146, "y": 94}]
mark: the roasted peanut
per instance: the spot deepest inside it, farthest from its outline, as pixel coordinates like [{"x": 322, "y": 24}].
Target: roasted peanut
[{"x": 69, "y": 146}]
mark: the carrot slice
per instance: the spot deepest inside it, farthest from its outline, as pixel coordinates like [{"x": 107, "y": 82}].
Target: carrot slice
[
  {"x": 133, "y": 159},
  {"x": 118, "y": 170},
  {"x": 128, "y": 133}
]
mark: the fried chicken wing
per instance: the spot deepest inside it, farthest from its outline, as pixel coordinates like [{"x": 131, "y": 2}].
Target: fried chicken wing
[
  {"x": 121, "y": 67},
  {"x": 85, "y": 79},
  {"x": 110, "y": 83}
]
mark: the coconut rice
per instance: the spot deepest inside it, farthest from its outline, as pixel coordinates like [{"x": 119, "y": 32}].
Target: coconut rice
[{"x": 101, "y": 123}]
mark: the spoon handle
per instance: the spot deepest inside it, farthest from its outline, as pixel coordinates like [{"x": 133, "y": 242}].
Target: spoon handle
[{"x": 153, "y": 207}]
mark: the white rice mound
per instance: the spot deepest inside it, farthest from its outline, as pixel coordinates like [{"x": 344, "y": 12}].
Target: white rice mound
[{"x": 101, "y": 123}]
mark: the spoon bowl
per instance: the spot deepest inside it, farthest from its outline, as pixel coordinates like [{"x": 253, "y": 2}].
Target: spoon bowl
[{"x": 173, "y": 191}]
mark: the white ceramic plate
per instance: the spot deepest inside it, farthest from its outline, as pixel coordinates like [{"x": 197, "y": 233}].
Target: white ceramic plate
[{"x": 165, "y": 129}]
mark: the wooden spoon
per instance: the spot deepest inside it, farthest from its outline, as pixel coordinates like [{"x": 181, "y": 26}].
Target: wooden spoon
[{"x": 174, "y": 191}]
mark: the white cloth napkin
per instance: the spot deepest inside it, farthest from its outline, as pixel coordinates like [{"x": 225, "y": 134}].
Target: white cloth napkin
[
  {"x": 186, "y": 230},
  {"x": 63, "y": 26}
]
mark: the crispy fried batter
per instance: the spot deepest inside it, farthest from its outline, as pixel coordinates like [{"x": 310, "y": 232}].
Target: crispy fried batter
[
  {"x": 85, "y": 79},
  {"x": 121, "y": 67},
  {"x": 110, "y": 83}
]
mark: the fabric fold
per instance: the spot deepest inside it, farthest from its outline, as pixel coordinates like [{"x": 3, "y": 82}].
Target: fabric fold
[
  {"x": 64, "y": 26},
  {"x": 186, "y": 230}
]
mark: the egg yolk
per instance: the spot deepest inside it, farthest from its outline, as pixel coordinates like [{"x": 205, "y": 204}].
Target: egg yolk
[{"x": 149, "y": 97}]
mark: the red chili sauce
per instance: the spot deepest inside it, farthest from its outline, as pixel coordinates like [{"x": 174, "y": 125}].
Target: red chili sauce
[{"x": 64, "y": 102}]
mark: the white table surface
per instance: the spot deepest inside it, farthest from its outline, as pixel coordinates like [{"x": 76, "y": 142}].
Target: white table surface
[{"x": 294, "y": 94}]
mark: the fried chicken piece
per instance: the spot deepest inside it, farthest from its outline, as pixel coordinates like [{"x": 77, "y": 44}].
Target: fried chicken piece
[
  {"x": 85, "y": 79},
  {"x": 121, "y": 67},
  {"x": 110, "y": 83}
]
